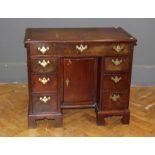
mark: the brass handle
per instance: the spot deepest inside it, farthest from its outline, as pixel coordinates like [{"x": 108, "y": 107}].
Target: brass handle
[
  {"x": 114, "y": 97},
  {"x": 44, "y": 63},
  {"x": 118, "y": 48},
  {"x": 116, "y": 79},
  {"x": 81, "y": 47},
  {"x": 44, "y": 99},
  {"x": 67, "y": 82},
  {"x": 43, "y": 49},
  {"x": 44, "y": 80},
  {"x": 117, "y": 61}
]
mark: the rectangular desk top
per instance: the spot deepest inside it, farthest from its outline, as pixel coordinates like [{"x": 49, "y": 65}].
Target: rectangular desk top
[{"x": 78, "y": 35}]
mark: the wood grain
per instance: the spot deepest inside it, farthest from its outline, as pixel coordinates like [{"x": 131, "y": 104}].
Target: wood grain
[
  {"x": 77, "y": 122},
  {"x": 75, "y": 34},
  {"x": 82, "y": 81}
]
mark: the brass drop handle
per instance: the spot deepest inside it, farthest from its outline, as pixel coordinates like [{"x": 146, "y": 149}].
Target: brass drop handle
[
  {"x": 114, "y": 97},
  {"x": 116, "y": 79},
  {"x": 43, "y": 49},
  {"x": 44, "y": 63},
  {"x": 116, "y": 62},
  {"x": 118, "y": 48},
  {"x": 67, "y": 82},
  {"x": 44, "y": 80},
  {"x": 81, "y": 47},
  {"x": 44, "y": 99}
]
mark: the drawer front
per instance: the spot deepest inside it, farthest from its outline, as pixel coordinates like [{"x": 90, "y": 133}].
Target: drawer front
[
  {"x": 44, "y": 65},
  {"x": 40, "y": 49},
  {"x": 45, "y": 83},
  {"x": 115, "y": 82},
  {"x": 44, "y": 103},
  {"x": 83, "y": 49},
  {"x": 116, "y": 64},
  {"x": 114, "y": 101}
]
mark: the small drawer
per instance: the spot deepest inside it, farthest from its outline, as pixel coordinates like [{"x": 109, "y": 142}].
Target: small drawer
[
  {"x": 45, "y": 83},
  {"x": 115, "y": 82},
  {"x": 39, "y": 49},
  {"x": 120, "y": 49},
  {"x": 44, "y": 65},
  {"x": 44, "y": 103},
  {"x": 116, "y": 64},
  {"x": 115, "y": 101}
]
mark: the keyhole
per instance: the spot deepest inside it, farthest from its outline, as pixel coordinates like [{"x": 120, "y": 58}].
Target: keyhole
[
  {"x": 69, "y": 62},
  {"x": 67, "y": 82}
]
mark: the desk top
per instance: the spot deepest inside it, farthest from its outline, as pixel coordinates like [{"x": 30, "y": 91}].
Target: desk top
[{"x": 77, "y": 35}]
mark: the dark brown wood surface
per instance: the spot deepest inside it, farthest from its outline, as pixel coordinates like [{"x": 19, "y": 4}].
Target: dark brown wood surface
[
  {"x": 81, "y": 86},
  {"x": 69, "y": 49},
  {"x": 50, "y": 86},
  {"x": 79, "y": 68},
  {"x": 77, "y": 34},
  {"x": 111, "y": 67},
  {"x": 109, "y": 104},
  {"x": 40, "y": 107},
  {"x": 110, "y": 85},
  {"x": 50, "y": 68}
]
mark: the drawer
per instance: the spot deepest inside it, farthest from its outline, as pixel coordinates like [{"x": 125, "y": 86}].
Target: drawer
[
  {"x": 81, "y": 49},
  {"x": 116, "y": 64},
  {"x": 41, "y": 49},
  {"x": 44, "y": 83},
  {"x": 115, "y": 101},
  {"x": 115, "y": 82},
  {"x": 44, "y": 65},
  {"x": 44, "y": 103}
]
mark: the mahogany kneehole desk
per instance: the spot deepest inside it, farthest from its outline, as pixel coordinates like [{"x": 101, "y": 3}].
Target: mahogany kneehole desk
[{"x": 78, "y": 68}]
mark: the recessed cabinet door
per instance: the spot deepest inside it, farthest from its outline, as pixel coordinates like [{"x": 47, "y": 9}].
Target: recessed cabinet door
[{"x": 79, "y": 84}]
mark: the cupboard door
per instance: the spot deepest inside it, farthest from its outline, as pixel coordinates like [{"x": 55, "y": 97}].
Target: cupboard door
[{"x": 79, "y": 81}]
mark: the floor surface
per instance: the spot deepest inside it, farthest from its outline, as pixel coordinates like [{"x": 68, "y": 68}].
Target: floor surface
[{"x": 77, "y": 122}]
